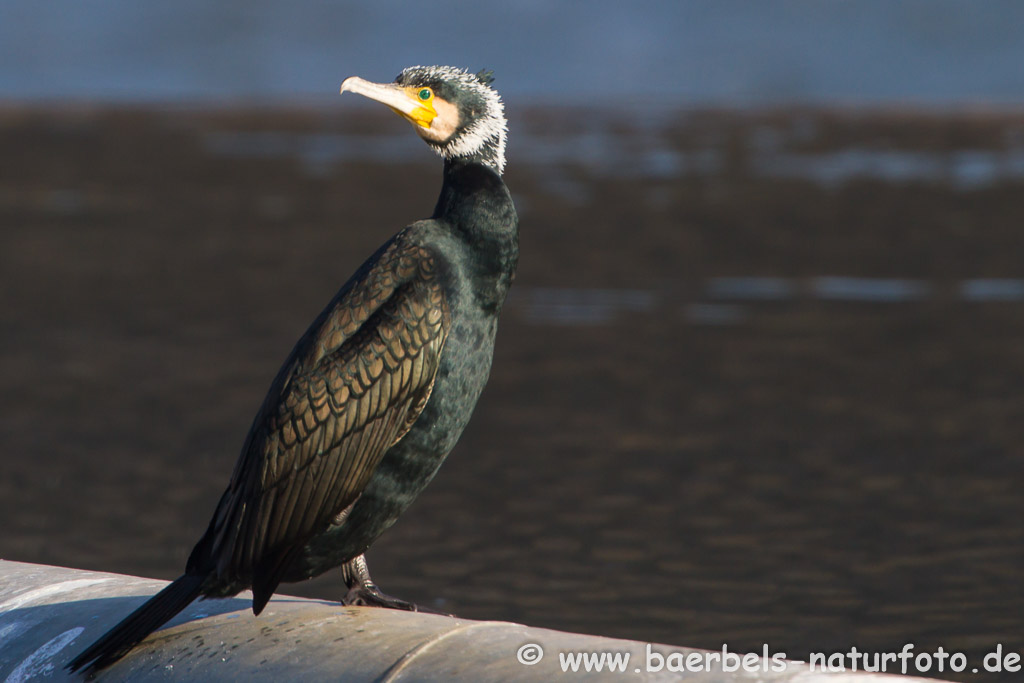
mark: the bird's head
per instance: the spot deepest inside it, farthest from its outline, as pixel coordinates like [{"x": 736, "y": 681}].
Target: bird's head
[{"x": 456, "y": 112}]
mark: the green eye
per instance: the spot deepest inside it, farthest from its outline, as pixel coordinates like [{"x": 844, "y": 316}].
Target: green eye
[{"x": 425, "y": 94}]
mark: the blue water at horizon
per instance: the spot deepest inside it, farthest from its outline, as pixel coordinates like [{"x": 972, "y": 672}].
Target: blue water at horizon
[{"x": 603, "y": 52}]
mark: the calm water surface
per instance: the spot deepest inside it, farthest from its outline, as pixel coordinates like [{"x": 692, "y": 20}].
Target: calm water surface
[{"x": 727, "y": 406}]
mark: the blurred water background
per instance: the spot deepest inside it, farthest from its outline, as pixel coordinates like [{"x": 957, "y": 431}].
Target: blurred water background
[
  {"x": 694, "y": 51},
  {"x": 759, "y": 380}
]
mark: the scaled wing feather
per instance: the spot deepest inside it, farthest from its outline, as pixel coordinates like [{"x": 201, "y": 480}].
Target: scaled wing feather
[{"x": 353, "y": 386}]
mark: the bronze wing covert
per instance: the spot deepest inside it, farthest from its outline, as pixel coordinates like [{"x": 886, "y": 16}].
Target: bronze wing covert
[{"x": 353, "y": 387}]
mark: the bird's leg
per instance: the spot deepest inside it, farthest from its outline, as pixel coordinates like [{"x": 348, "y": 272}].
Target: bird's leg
[{"x": 363, "y": 591}]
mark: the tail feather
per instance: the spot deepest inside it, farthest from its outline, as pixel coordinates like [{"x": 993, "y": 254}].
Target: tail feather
[
  {"x": 153, "y": 614},
  {"x": 268, "y": 577}
]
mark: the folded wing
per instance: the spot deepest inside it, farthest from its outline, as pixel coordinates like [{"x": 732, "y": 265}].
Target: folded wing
[{"x": 352, "y": 387}]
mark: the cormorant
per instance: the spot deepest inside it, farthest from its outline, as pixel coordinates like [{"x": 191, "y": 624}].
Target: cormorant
[{"x": 379, "y": 388}]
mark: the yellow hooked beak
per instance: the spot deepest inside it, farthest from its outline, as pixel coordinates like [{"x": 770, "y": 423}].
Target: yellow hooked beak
[{"x": 402, "y": 100}]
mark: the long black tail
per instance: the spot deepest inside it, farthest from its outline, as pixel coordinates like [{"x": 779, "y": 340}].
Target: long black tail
[{"x": 156, "y": 612}]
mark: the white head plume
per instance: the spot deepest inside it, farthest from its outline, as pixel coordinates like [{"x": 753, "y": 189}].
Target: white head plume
[{"x": 482, "y": 130}]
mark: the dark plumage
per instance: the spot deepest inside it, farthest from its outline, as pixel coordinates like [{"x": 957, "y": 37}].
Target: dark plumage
[{"x": 379, "y": 388}]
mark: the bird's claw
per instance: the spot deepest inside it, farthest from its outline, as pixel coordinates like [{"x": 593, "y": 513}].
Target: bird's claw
[{"x": 365, "y": 596}]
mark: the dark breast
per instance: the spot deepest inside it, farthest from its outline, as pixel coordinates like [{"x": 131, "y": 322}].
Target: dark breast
[
  {"x": 408, "y": 466},
  {"x": 477, "y": 236},
  {"x": 411, "y": 464}
]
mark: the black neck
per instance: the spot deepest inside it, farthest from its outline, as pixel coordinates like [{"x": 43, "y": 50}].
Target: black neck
[
  {"x": 477, "y": 206},
  {"x": 474, "y": 199}
]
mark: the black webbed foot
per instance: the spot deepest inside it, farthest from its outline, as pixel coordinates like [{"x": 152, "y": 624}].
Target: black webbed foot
[{"x": 363, "y": 591}]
